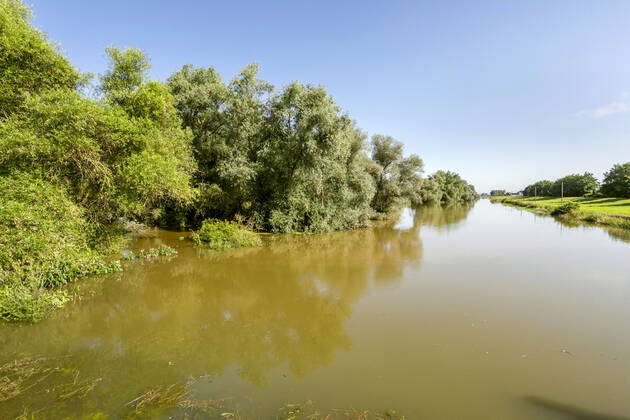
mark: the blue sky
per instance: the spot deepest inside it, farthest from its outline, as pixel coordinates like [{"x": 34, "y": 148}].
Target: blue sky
[{"x": 505, "y": 93}]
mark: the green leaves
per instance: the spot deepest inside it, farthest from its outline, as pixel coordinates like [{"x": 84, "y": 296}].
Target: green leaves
[
  {"x": 220, "y": 235},
  {"x": 617, "y": 181},
  {"x": 127, "y": 72},
  {"x": 29, "y": 64}
]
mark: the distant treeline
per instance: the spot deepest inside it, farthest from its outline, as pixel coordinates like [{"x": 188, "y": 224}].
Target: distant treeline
[{"x": 616, "y": 183}]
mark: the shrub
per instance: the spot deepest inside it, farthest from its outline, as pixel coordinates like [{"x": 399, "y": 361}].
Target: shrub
[
  {"x": 220, "y": 235},
  {"x": 20, "y": 303},
  {"x": 45, "y": 242},
  {"x": 566, "y": 208},
  {"x": 591, "y": 218}
]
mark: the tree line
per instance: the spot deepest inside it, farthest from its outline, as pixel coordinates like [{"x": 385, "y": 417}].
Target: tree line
[
  {"x": 194, "y": 147},
  {"x": 616, "y": 183}
]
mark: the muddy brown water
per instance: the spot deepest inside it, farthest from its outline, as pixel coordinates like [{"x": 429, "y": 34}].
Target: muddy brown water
[{"x": 455, "y": 313}]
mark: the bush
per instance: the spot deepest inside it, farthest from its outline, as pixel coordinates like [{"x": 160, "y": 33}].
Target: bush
[
  {"x": 220, "y": 235},
  {"x": 45, "y": 242},
  {"x": 21, "y": 303},
  {"x": 566, "y": 208}
]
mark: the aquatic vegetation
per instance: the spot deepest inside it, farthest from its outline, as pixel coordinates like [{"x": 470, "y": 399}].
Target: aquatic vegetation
[
  {"x": 309, "y": 411},
  {"x": 151, "y": 253},
  {"x": 177, "y": 397},
  {"x": 220, "y": 235},
  {"x": 25, "y": 374}
]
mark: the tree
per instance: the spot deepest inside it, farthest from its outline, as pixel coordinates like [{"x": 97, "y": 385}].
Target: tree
[
  {"x": 453, "y": 189},
  {"x": 313, "y": 175},
  {"x": 29, "y": 64},
  {"x": 617, "y": 181},
  {"x": 497, "y": 192},
  {"x": 127, "y": 72},
  {"x": 575, "y": 185},
  {"x": 540, "y": 189},
  {"x": 387, "y": 152},
  {"x": 226, "y": 121}
]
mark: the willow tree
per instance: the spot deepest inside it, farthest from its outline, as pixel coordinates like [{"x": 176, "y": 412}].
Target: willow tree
[
  {"x": 313, "y": 173},
  {"x": 398, "y": 179},
  {"x": 226, "y": 121},
  {"x": 288, "y": 160},
  {"x": 451, "y": 188}
]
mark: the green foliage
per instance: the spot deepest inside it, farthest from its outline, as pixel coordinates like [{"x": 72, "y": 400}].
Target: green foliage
[
  {"x": 20, "y": 303},
  {"x": 496, "y": 193},
  {"x": 451, "y": 188},
  {"x": 151, "y": 253},
  {"x": 291, "y": 161},
  {"x": 387, "y": 153},
  {"x": 112, "y": 165},
  {"x": 312, "y": 173},
  {"x": 221, "y": 234},
  {"x": 539, "y": 189},
  {"x": 570, "y": 186},
  {"x": 226, "y": 120},
  {"x": 29, "y": 64},
  {"x": 617, "y": 181},
  {"x": 195, "y": 148},
  {"x": 127, "y": 72},
  {"x": 399, "y": 180},
  {"x": 575, "y": 185},
  {"x": 45, "y": 242},
  {"x": 612, "y": 213},
  {"x": 567, "y": 208}
]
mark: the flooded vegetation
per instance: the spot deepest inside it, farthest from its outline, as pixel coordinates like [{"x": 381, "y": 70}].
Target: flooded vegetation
[{"x": 446, "y": 313}]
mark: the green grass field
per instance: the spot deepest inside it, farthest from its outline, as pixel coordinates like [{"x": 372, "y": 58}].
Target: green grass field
[{"x": 614, "y": 206}]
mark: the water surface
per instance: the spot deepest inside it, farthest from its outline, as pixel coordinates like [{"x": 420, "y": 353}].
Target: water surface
[{"x": 489, "y": 312}]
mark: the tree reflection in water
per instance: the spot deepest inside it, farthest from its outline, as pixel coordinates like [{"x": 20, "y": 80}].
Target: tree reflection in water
[{"x": 202, "y": 313}]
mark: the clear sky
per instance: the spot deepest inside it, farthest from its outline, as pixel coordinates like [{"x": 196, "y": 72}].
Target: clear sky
[{"x": 503, "y": 92}]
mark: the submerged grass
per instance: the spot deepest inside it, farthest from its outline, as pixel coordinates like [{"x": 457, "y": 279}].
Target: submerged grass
[
  {"x": 574, "y": 210},
  {"x": 58, "y": 389},
  {"x": 151, "y": 253},
  {"x": 220, "y": 235}
]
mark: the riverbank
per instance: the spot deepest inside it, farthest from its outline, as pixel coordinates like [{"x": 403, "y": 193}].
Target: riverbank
[{"x": 610, "y": 212}]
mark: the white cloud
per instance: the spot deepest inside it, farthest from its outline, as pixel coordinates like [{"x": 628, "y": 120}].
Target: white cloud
[{"x": 606, "y": 110}]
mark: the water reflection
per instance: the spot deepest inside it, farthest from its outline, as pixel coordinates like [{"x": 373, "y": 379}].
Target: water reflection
[
  {"x": 249, "y": 311},
  {"x": 618, "y": 234},
  {"x": 448, "y": 218}
]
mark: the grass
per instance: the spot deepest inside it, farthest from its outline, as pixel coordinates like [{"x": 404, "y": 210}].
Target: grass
[
  {"x": 220, "y": 235},
  {"x": 607, "y": 206},
  {"x": 611, "y": 212}
]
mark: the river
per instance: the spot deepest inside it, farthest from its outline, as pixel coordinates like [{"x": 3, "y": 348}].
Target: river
[{"x": 456, "y": 313}]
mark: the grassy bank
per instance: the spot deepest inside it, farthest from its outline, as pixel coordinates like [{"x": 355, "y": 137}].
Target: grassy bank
[
  {"x": 602, "y": 205},
  {"x": 611, "y": 212}
]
